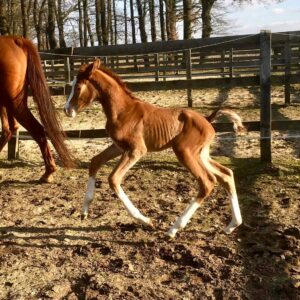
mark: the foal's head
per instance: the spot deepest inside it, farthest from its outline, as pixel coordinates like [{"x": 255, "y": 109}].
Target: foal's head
[{"x": 83, "y": 92}]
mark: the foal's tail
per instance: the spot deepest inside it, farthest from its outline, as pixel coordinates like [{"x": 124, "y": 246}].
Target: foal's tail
[
  {"x": 231, "y": 115},
  {"x": 41, "y": 95}
]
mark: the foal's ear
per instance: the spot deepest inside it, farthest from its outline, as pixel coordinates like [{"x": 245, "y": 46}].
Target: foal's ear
[{"x": 96, "y": 64}]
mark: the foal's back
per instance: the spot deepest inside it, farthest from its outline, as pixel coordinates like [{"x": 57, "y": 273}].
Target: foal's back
[{"x": 163, "y": 127}]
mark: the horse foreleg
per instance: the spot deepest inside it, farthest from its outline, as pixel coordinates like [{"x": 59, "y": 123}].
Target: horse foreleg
[
  {"x": 9, "y": 126},
  {"x": 97, "y": 161},
  {"x": 127, "y": 160},
  {"x": 36, "y": 130}
]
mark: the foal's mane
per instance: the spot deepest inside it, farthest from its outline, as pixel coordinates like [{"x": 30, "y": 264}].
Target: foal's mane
[{"x": 111, "y": 74}]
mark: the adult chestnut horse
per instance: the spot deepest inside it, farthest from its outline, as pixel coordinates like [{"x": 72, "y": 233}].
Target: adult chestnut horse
[
  {"x": 137, "y": 127},
  {"x": 20, "y": 67}
]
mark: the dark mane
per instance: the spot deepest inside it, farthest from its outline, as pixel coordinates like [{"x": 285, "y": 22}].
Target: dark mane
[
  {"x": 86, "y": 70},
  {"x": 118, "y": 79}
]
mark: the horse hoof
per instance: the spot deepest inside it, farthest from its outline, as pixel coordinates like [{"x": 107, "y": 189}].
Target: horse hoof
[
  {"x": 83, "y": 217},
  {"x": 171, "y": 234},
  {"x": 46, "y": 179}
]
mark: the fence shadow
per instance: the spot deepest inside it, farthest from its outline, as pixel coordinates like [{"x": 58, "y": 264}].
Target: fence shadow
[{"x": 262, "y": 241}]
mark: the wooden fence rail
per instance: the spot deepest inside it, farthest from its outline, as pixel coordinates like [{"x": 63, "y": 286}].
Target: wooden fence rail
[{"x": 263, "y": 60}]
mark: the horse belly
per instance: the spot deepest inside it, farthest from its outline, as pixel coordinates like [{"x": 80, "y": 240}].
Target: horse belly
[
  {"x": 13, "y": 65},
  {"x": 160, "y": 136}
]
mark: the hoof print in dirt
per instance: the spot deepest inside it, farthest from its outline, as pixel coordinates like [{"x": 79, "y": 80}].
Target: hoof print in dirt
[
  {"x": 115, "y": 264},
  {"x": 128, "y": 227},
  {"x": 181, "y": 256}
]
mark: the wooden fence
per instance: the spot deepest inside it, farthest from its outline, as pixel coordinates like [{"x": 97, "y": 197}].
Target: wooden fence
[{"x": 262, "y": 59}]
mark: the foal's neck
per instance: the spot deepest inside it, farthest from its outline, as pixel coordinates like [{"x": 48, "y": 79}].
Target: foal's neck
[{"x": 113, "y": 99}]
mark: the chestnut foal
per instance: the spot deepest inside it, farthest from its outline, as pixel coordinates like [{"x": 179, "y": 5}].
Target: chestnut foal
[{"x": 137, "y": 127}]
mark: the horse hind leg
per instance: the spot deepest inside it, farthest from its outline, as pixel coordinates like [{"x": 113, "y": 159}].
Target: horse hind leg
[
  {"x": 36, "y": 130},
  {"x": 225, "y": 177},
  {"x": 206, "y": 182},
  {"x": 9, "y": 126}
]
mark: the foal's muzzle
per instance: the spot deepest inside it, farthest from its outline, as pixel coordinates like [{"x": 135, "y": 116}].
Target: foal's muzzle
[{"x": 70, "y": 111}]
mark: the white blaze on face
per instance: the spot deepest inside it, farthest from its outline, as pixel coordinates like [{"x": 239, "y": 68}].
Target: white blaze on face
[{"x": 69, "y": 110}]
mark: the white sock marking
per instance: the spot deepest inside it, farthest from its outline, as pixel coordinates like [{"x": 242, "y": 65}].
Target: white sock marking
[
  {"x": 236, "y": 214},
  {"x": 89, "y": 195},
  {"x": 184, "y": 219},
  {"x": 132, "y": 210}
]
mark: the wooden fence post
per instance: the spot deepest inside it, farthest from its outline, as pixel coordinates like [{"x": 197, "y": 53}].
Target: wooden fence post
[
  {"x": 188, "y": 65},
  {"x": 231, "y": 63},
  {"x": 67, "y": 70},
  {"x": 13, "y": 147},
  {"x": 265, "y": 96},
  {"x": 156, "y": 62},
  {"x": 287, "y": 74}
]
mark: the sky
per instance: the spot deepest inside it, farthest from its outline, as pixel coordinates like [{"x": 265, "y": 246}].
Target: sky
[{"x": 284, "y": 16}]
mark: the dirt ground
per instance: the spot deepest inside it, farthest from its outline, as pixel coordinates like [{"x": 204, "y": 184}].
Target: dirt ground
[{"x": 47, "y": 252}]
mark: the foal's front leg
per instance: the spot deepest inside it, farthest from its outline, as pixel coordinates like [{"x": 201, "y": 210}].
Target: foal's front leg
[
  {"x": 127, "y": 160},
  {"x": 97, "y": 161}
]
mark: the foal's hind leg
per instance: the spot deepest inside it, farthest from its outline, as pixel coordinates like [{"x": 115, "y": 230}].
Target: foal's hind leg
[
  {"x": 36, "y": 130},
  {"x": 206, "y": 182},
  {"x": 128, "y": 160},
  {"x": 226, "y": 178},
  {"x": 9, "y": 126},
  {"x": 97, "y": 161}
]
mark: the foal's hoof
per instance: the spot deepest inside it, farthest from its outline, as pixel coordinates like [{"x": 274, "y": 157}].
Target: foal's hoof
[
  {"x": 148, "y": 222},
  {"x": 231, "y": 227},
  {"x": 83, "y": 217},
  {"x": 46, "y": 179}
]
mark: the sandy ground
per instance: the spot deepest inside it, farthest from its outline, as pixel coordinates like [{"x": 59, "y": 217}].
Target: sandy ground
[{"x": 47, "y": 252}]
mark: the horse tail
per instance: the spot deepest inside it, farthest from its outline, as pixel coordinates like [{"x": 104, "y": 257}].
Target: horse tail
[
  {"x": 36, "y": 79},
  {"x": 231, "y": 115}
]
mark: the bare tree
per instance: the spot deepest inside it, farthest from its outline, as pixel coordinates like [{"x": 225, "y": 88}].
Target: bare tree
[
  {"x": 3, "y": 18},
  {"x": 24, "y": 18},
  {"x": 51, "y": 24},
  {"x": 141, "y": 18},
  {"x": 104, "y": 28},
  {"x": 38, "y": 20},
  {"x": 60, "y": 24},
  {"x": 187, "y": 19},
  {"x": 152, "y": 20},
  {"x": 162, "y": 20},
  {"x": 132, "y": 22},
  {"x": 171, "y": 19}
]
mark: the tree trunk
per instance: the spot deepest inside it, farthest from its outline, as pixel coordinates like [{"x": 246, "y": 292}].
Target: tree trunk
[
  {"x": 3, "y": 19},
  {"x": 60, "y": 24},
  {"x": 98, "y": 24},
  {"x": 37, "y": 19},
  {"x": 80, "y": 23},
  {"x": 109, "y": 22},
  {"x": 115, "y": 23},
  {"x": 51, "y": 24},
  {"x": 206, "y": 17},
  {"x": 162, "y": 20},
  {"x": 24, "y": 18},
  {"x": 89, "y": 30},
  {"x": 171, "y": 19},
  {"x": 132, "y": 22},
  {"x": 85, "y": 27},
  {"x": 187, "y": 19},
  {"x": 141, "y": 17},
  {"x": 152, "y": 20},
  {"x": 103, "y": 22},
  {"x": 125, "y": 23}
]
